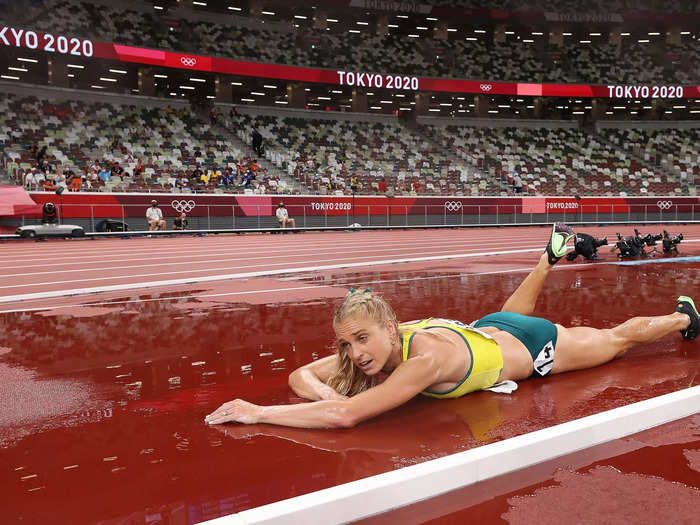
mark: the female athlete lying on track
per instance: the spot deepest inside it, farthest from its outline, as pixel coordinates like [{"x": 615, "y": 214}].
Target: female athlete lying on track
[{"x": 444, "y": 358}]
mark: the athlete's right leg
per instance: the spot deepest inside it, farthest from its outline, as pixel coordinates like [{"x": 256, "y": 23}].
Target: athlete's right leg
[
  {"x": 523, "y": 299},
  {"x": 583, "y": 347}
]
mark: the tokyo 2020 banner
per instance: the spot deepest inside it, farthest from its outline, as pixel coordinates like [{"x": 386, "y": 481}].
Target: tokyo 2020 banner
[{"x": 73, "y": 47}]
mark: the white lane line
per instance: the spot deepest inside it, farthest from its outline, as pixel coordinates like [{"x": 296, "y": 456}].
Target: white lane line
[
  {"x": 210, "y": 278},
  {"x": 391, "y": 490},
  {"x": 184, "y": 257},
  {"x": 211, "y": 262}
]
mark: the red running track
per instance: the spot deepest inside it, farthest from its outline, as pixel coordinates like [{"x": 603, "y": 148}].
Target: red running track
[{"x": 102, "y": 404}]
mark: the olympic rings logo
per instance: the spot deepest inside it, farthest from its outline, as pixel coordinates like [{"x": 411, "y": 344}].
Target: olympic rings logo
[
  {"x": 187, "y": 61},
  {"x": 186, "y": 206},
  {"x": 664, "y": 205},
  {"x": 486, "y": 87},
  {"x": 453, "y": 205}
]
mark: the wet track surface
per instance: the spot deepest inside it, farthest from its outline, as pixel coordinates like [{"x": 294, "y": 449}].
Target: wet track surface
[{"x": 102, "y": 406}]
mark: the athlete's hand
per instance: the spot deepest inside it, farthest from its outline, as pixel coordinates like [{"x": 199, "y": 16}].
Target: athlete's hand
[{"x": 236, "y": 411}]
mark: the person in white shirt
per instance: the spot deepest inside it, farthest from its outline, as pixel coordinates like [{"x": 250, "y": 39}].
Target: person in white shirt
[
  {"x": 154, "y": 215},
  {"x": 283, "y": 216}
]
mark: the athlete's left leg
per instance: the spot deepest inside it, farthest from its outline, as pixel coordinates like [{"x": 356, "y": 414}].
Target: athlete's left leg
[{"x": 582, "y": 347}]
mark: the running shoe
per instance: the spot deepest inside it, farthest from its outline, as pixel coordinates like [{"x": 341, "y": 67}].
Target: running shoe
[
  {"x": 687, "y": 306},
  {"x": 556, "y": 247}
]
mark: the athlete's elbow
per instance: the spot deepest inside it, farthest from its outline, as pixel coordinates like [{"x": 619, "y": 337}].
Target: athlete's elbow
[{"x": 343, "y": 417}]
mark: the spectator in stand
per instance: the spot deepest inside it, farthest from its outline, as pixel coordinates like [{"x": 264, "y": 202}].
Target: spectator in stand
[
  {"x": 61, "y": 182},
  {"x": 283, "y": 216},
  {"x": 39, "y": 178},
  {"x": 180, "y": 223},
  {"x": 212, "y": 116},
  {"x": 353, "y": 184},
  {"x": 138, "y": 169},
  {"x": 76, "y": 182},
  {"x": 257, "y": 142},
  {"x": 517, "y": 182},
  {"x": 40, "y": 156},
  {"x": 117, "y": 169},
  {"x": 96, "y": 167},
  {"x": 105, "y": 174},
  {"x": 30, "y": 180},
  {"x": 154, "y": 215},
  {"x": 204, "y": 178},
  {"x": 382, "y": 186}
]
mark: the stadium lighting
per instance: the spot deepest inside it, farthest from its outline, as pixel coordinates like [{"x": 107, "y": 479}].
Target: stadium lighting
[
  {"x": 413, "y": 36},
  {"x": 654, "y": 34},
  {"x": 236, "y": 83},
  {"x": 695, "y": 111},
  {"x": 23, "y": 70},
  {"x": 331, "y": 20},
  {"x": 422, "y": 28},
  {"x": 362, "y": 23},
  {"x": 211, "y": 96},
  {"x": 433, "y": 109},
  {"x": 300, "y": 17},
  {"x": 269, "y": 13},
  {"x": 71, "y": 75},
  {"x": 530, "y": 107},
  {"x": 392, "y": 25},
  {"x": 619, "y": 107},
  {"x": 76, "y": 66},
  {"x": 405, "y": 109},
  {"x": 445, "y": 104},
  {"x": 567, "y": 34},
  {"x": 268, "y": 86},
  {"x": 118, "y": 71},
  {"x": 584, "y": 41},
  {"x": 307, "y": 89},
  {"x": 33, "y": 61},
  {"x": 669, "y": 111},
  {"x": 248, "y": 100},
  {"x": 587, "y": 107},
  {"x": 375, "y": 107},
  {"x": 193, "y": 79},
  {"x": 633, "y": 112},
  {"x": 511, "y": 32},
  {"x": 493, "y": 111},
  {"x": 472, "y": 38},
  {"x": 643, "y": 41},
  {"x": 173, "y": 94},
  {"x": 353, "y": 31},
  {"x": 401, "y": 16},
  {"x": 97, "y": 87},
  {"x": 503, "y": 106},
  {"x": 386, "y": 102},
  {"x": 537, "y": 33},
  {"x": 578, "y": 112},
  {"x": 528, "y": 41},
  {"x": 200, "y": 3},
  {"x": 685, "y": 32},
  {"x": 608, "y": 112},
  {"x": 480, "y": 30},
  {"x": 160, "y": 8},
  {"x": 160, "y": 76},
  {"x": 187, "y": 87},
  {"x": 9, "y": 77},
  {"x": 257, "y": 93},
  {"x": 678, "y": 107},
  {"x": 451, "y": 30},
  {"x": 461, "y": 110},
  {"x": 336, "y": 91},
  {"x": 625, "y": 34},
  {"x": 595, "y": 34},
  {"x": 432, "y": 19},
  {"x": 323, "y": 98},
  {"x": 281, "y": 102},
  {"x": 235, "y": 8},
  {"x": 400, "y": 95},
  {"x": 107, "y": 79},
  {"x": 647, "y": 107}
]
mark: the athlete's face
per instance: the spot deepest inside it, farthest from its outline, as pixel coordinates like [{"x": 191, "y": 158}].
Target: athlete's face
[{"x": 367, "y": 343}]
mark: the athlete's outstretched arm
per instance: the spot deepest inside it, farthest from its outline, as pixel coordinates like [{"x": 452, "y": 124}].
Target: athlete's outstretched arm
[
  {"x": 309, "y": 381},
  {"x": 407, "y": 380}
]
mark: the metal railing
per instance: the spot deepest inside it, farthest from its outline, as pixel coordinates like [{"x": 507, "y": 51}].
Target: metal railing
[{"x": 327, "y": 215}]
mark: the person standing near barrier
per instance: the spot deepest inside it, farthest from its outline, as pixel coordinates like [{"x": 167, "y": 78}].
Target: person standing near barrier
[
  {"x": 154, "y": 215},
  {"x": 180, "y": 223},
  {"x": 283, "y": 216}
]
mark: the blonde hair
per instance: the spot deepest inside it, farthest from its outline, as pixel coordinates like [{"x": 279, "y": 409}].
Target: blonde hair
[{"x": 349, "y": 380}]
